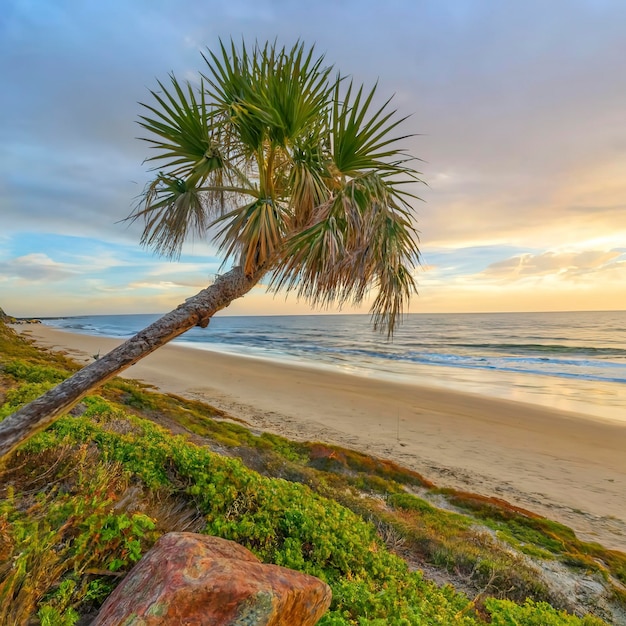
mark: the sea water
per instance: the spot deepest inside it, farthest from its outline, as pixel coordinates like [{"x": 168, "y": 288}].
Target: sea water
[{"x": 573, "y": 361}]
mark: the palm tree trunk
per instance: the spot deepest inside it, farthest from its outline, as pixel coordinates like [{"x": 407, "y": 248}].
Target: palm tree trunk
[{"x": 196, "y": 311}]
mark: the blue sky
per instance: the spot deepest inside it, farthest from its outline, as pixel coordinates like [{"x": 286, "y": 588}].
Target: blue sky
[{"x": 520, "y": 109}]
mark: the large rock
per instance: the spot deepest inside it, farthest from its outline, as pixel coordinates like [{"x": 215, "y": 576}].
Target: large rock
[{"x": 196, "y": 580}]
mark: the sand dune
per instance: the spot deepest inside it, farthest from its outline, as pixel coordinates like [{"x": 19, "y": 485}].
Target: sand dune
[{"x": 566, "y": 466}]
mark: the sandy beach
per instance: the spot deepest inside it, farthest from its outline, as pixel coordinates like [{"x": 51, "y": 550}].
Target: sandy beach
[{"x": 568, "y": 467}]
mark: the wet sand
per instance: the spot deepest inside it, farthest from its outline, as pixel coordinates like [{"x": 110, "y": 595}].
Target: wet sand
[{"x": 566, "y": 466}]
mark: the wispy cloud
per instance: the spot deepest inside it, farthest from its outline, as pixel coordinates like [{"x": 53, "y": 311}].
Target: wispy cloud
[
  {"x": 567, "y": 265},
  {"x": 35, "y": 267}
]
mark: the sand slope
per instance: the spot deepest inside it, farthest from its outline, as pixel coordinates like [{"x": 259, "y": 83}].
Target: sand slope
[{"x": 569, "y": 467}]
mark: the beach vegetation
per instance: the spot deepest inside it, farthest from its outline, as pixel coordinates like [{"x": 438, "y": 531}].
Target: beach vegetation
[
  {"x": 32, "y": 373},
  {"x": 84, "y": 499},
  {"x": 507, "y": 613},
  {"x": 299, "y": 174},
  {"x": 531, "y": 532}
]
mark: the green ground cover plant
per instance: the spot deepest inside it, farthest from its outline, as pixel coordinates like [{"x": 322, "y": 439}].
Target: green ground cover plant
[{"x": 82, "y": 501}]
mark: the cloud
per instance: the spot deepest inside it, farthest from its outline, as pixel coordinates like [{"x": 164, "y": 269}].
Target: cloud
[
  {"x": 567, "y": 265},
  {"x": 168, "y": 285},
  {"x": 35, "y": 267}
]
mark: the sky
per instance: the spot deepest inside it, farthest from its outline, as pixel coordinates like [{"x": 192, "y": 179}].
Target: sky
[{"x": 518, "y": 107}]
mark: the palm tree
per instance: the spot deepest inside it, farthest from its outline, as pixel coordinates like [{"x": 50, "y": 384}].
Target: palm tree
[{"x": 301, "y": 180}]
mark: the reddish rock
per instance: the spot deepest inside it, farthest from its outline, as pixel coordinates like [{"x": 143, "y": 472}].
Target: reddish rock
[{"x": 196, "y": 580}]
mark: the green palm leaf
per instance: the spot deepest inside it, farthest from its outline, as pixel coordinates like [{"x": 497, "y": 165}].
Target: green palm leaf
[{"x": 182, "y": 125}]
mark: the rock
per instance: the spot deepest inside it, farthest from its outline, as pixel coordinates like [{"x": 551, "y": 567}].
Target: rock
[
  {"x": 7, "y": 319},
  {"x": 196, "y": 580}
]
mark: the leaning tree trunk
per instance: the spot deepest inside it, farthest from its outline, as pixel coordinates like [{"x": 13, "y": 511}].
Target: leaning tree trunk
[{"x": 196, "y": 311}]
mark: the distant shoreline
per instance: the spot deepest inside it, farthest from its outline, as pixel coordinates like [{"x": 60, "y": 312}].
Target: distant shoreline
[
  {"x": 321, "y": 313},
  {"x": 565, "y": 466}
]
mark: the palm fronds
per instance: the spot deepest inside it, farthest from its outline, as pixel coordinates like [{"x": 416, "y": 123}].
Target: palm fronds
[{"x": 302, "y": 172}]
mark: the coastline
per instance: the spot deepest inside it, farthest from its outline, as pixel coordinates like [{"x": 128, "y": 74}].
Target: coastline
[{"x": 566, "y": 466}]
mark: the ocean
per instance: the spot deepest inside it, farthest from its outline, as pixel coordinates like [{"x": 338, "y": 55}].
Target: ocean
[{"x": 573, "y": 361}]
